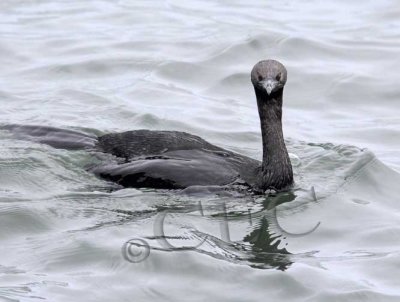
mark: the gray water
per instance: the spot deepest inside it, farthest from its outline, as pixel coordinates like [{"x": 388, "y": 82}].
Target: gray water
[{"x": 103, "y": 66}]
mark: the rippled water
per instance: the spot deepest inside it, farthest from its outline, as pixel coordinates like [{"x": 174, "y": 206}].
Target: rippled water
[{"x": 102, "y": 66}]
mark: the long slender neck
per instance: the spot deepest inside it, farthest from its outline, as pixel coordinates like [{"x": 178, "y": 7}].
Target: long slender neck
[{"x": 276, "y": 170}]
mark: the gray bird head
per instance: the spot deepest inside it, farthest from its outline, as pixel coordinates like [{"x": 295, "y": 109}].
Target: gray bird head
[{"x": 269, "y": 75}]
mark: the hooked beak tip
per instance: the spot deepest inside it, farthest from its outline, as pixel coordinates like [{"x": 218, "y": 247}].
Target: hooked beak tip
[{"x": 269, "y": 86}]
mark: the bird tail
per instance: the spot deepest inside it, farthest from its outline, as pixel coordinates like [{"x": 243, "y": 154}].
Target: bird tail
[{"x": 55, "y": 137}]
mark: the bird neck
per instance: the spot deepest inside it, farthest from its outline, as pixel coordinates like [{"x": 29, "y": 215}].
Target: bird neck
[{"x": 276, "y": 170}]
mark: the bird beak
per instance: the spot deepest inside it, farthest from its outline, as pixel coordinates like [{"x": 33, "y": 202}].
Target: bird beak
[{"x": 269, "y": 85}]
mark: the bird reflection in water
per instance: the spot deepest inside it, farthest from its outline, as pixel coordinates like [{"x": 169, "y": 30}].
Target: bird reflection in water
[{"x": 263, "y": 240}]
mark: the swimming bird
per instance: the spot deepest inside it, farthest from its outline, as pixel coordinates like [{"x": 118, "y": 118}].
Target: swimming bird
[{"x": 178, "y": 160}]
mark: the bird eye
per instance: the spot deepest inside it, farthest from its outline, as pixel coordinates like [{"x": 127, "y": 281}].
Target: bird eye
[
  {"x": 260, "y": 77},
  {"x": 278, "y": 77}
]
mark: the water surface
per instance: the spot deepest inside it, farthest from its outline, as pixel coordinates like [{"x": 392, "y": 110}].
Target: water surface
[{"x": 103, "y": 66}]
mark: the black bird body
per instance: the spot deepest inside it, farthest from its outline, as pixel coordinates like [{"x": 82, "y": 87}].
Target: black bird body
[
  {"x": 175, "y": 160},
  {"x": 172, "y": 159}
]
